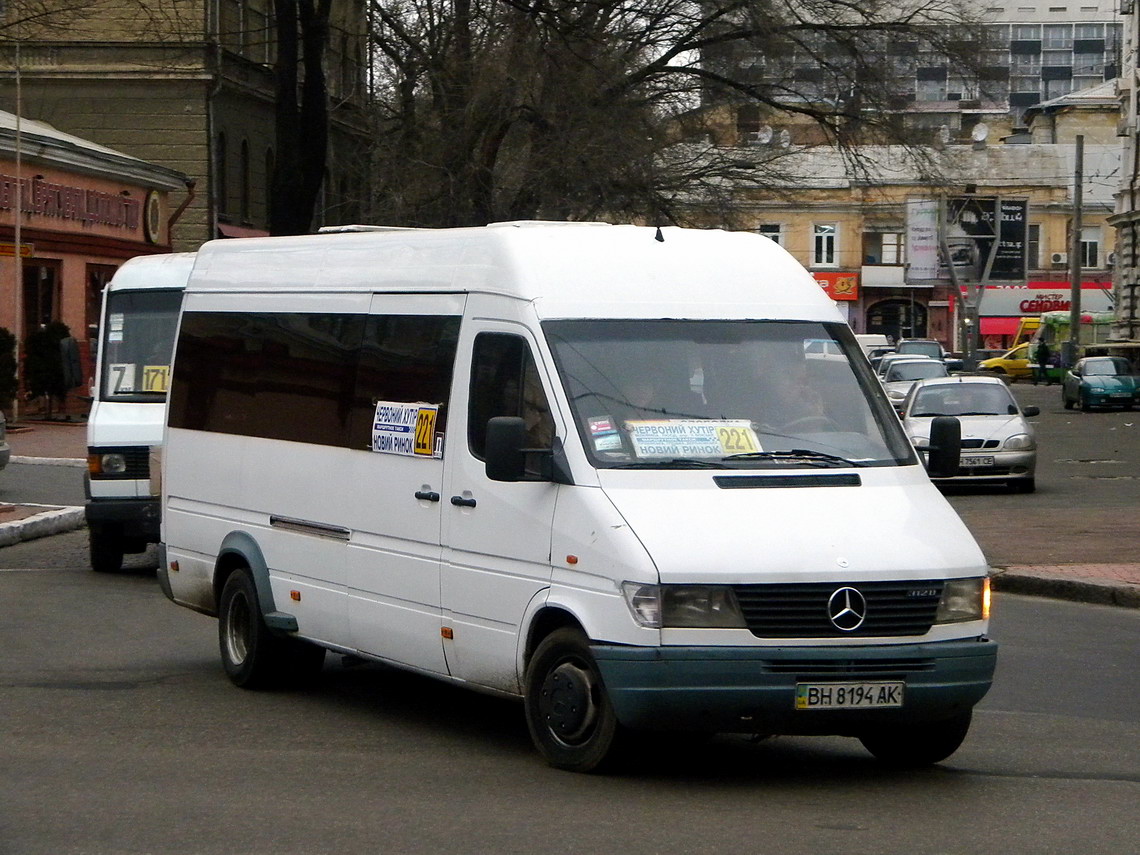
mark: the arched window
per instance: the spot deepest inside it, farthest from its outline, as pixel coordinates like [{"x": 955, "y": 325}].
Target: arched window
[
  {"x": 268, "y": 184},
  {"x": 221, "y": 188},
  {"x": 245, "y": 181}
]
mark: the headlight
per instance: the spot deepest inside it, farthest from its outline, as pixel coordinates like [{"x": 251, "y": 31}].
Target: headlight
[
  {"x": 920, "y": 441},
  {"x": 1019, "y": 442},
  {"x": 896, "y": 395},
  {"x": 703, "y": 606},
  {"x": 106, "y": 464},
  {"x": 964, "y": 599}
]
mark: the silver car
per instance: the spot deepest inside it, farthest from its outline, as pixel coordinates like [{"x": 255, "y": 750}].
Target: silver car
[
  {"x": 998, "y": 444},
  {"x": 901, "y": 374}
]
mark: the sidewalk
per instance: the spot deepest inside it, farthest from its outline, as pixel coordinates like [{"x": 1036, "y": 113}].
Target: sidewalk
[
  {"x": 66, "y": 445},
  {"x": 50, "y": 443}
]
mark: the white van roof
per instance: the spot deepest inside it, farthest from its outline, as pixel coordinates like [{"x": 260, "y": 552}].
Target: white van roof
[
  {"x": 568, "y": 270},
  {"x": 152, "y": 272}
]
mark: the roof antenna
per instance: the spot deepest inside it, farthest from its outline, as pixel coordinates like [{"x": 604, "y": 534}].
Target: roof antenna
[{"x": 660, "y": 238}]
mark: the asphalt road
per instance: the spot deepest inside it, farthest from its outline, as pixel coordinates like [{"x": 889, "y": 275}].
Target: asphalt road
[{"x": 120, "y": 734}]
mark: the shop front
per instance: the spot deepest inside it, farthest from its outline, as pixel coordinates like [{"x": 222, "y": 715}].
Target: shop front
[
  {"x": 71, "y": 212},
  {"x": 1003, "y": 307}
]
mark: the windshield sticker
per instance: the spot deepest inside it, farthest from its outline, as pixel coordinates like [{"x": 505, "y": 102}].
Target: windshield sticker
[
  {"x": 604, "y": 434},
  {"x": 121, "y": 377},
  {"x": 406, "y": 429},
  {"x": 156, "y": 378},
  {"x": 692, "y": 437}
]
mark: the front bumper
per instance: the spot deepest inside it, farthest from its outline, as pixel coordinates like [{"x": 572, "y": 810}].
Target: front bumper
[
  {"x": 133, "y": 518},
  {"x": 753, "y": 690},
  {"x": 1007, "y": 466}
]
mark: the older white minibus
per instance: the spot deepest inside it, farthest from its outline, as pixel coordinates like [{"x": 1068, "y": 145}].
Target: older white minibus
[
  {"x": 590, "y": 466},
  {"x": 136, "y": 341}
]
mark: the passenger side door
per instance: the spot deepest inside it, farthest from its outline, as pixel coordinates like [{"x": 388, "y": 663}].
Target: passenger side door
[{"x": 496, "y": 534}]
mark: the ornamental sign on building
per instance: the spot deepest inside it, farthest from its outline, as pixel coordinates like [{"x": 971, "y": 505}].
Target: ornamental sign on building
[{"x": 67, "y": 202}]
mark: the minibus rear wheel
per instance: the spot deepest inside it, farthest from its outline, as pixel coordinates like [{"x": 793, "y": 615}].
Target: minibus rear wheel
[
  {"x": 253, "y": 656},
  {"x": 568, "y": 712},
  {"x": 921, "y": 744}
]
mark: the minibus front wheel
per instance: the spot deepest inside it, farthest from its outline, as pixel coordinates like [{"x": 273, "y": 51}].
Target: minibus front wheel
[
  {"x": 918, "y": 744},
  {"x": 568, "y": 712},
  {"x": 252, "y": 654}
]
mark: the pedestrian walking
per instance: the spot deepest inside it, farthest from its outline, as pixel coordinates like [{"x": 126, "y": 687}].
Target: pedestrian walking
[{"x": 1041, "y": 360}]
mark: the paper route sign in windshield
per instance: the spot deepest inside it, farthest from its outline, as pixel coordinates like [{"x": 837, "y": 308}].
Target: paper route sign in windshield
[{"x": 692, "y": 437}]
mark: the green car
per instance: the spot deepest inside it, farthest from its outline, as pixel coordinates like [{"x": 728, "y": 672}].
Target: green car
[{"x": 1100, "y": 381}]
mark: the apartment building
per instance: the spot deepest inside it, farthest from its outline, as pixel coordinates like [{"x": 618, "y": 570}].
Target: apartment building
[
  {"x": 1127, "y": 218},
  {"x": 189, "y": 85}
]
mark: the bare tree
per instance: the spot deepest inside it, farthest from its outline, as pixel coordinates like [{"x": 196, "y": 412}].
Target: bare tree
[{"x": 500, "y": 109}]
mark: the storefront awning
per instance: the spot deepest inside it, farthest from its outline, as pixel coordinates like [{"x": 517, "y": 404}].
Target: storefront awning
[
  {"x": 227, "y": 231},
  {"x": 999, "y": 326}
]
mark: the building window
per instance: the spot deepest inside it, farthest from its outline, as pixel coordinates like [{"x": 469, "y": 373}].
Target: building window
[
  {"x": 883, "y": 248},
  {"x": 824, "y": 248},
  {"x": 773, "y": 231},
  {"x": 245, "y": 181},
  {"x": 222, "y": 189},
  {"x": 1033, "y": 249},
  {"x": 1090, "y": 246}
]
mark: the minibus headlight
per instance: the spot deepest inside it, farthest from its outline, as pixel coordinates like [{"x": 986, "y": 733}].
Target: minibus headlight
[
  {"x": 690, "y": 606},
  {"x": 964, "y": 599},
  {"x": 644, "y": 603},
  {"x": 700, "y": 606},
  {"x": 106, "y": 464}
]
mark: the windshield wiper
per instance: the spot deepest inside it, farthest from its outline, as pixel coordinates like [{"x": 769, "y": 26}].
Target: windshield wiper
[
  {"x": 672, "y": 463},
  {"x": 816, "y": 458}
]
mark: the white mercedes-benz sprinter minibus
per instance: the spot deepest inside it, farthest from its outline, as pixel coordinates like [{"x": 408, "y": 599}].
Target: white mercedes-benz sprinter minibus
[
  {"x": 594, "y": 467},
  {"x": 136, "y": 340}
]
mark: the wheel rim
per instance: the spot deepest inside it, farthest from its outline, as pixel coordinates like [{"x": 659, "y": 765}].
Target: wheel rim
[
  {"x": 567, "y": 702},
  {"x": 237, "y": 629}
]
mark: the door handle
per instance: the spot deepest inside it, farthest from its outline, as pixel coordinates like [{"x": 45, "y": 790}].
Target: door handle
[
  {"x": 427, "y": 495},
  {"x": 461, "y": 502}
]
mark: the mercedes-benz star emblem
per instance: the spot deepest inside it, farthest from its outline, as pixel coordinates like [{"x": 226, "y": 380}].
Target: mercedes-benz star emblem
[{"x": 847, "y": 609}]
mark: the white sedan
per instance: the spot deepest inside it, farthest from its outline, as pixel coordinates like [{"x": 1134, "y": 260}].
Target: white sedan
[{"x": 998, "y": 444}]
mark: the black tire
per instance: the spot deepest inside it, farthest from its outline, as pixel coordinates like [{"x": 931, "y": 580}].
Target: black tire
[
  {"x": 1065, "y": 402},
  {"x": 910, "y": 746},
  {"x": 1084, "y": 402},
  {"x": 1023, "y": 485},
  {"x": 252, "y": 655},
  {"x": 568, "y": 712},
  {"x": 106, "y": 549}
]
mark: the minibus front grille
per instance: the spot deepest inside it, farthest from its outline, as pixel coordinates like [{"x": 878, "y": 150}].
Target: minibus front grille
[
  {"x": 801, "y": 610},
  {"x": 839, "y": 668}
]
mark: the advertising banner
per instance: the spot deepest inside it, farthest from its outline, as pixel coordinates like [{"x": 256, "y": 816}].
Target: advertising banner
[{"x": 971, "y": 228}]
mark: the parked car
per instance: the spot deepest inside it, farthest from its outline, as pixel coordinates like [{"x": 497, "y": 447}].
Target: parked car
[
  {"x": 1100, "y": 381},
  {"x": 929, "y": 347},
  {"x": 904, "y": 373},
  {"x": 5, "y": 451},
  {"x": 872, "y": 341},
  {"x": 998, "y": 444},
  {"x": 890, "y": 359}
]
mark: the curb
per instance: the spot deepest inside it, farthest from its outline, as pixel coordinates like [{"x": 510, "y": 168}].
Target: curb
[
  {"x": 53, "y": 520},
  {"x": 77, "y": 462},
  {"x": 1095, "y": 591}
]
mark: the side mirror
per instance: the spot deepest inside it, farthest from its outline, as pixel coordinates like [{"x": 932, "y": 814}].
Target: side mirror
[
  {"x": 945, "y": 447},
  {"x": 506, "y": 438},
  {"x": 1031, "y": 411}
]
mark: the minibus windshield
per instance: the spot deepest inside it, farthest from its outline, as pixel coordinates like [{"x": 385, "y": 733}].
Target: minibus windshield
[
  {"x": 137, "y": 341},
  {"x": 660, "y": 394}
]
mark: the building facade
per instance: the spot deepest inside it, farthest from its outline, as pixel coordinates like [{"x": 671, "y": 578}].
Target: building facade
[
  {"x": 190, "y": 85},
  {"x": 71, "y": 212},
  {"x": 1127, "y": 217}
]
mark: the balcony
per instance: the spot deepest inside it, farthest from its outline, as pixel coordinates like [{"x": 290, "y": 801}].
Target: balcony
[{"x": 883, "y": 276}]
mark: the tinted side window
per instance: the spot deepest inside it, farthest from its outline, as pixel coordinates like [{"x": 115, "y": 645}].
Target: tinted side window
[
  {"x": 278, "y": 376},
  {"x": 406, "y": 359},
  {"x": 505, "y": 382}
]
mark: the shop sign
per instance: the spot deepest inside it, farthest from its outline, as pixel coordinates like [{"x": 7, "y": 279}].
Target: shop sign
[
  {"x": 67, "y": 202},
  {"x": 27, "y": 250},
  {"x": 839, "y": 286},
  {"x": 1035, "y": 298}
]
